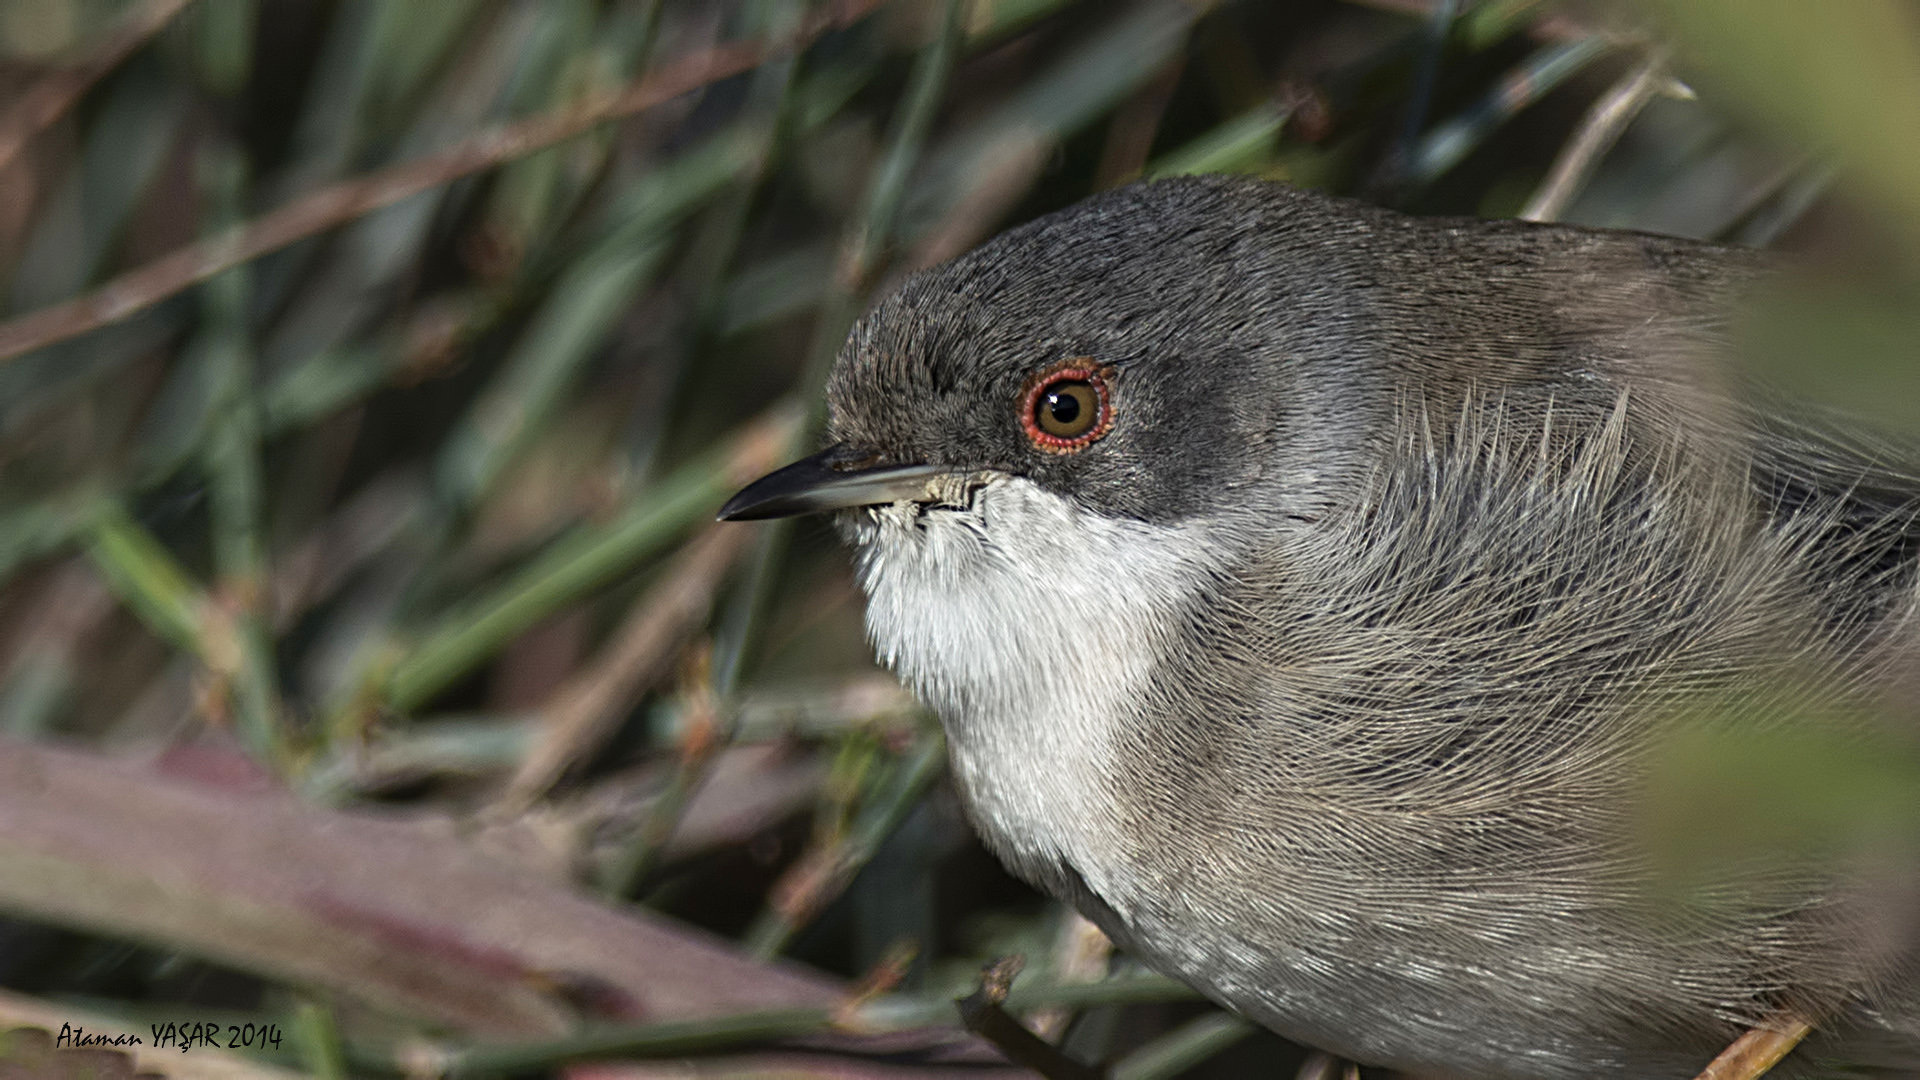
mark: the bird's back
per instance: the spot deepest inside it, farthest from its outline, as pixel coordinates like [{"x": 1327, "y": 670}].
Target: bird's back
[
  {"x": 1421, "y": 734},
  {"x": 1419, "y": 731}
]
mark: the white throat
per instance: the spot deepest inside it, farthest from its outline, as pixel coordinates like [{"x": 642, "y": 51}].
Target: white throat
[{"x": 1032, "y": 627}]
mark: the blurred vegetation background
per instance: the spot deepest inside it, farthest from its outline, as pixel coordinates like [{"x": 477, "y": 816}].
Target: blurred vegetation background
[{"x": 371, "y": 671}]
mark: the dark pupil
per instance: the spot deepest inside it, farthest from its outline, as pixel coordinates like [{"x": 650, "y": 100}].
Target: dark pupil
[{"x": 1064, "y": 407}]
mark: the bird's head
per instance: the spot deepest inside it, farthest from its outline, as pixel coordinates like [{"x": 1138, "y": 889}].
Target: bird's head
[{"x": 1145, "y": 356}]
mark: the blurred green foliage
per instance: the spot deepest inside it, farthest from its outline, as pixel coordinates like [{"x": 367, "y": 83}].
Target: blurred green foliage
[{"x": 385, "y": 494}]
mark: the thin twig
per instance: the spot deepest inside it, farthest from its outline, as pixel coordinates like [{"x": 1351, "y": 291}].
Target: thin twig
[
  {"x": 902, "y": 1012},
  {"x": 984, "y": 1013},
  {"x": 1603, "y": 125},
  {"x": 1760, "y": 1049},
  {"x": 337, "y": 204},
  {"x": 49, "y": 99},
  {"x": 151, "y": 582}
]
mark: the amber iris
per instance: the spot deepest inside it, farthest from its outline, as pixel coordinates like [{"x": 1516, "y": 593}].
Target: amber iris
[{"x": 1067, "y": 409}]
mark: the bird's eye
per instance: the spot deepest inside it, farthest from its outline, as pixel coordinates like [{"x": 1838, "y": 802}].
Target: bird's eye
[
  {"x": 1067, "y": 409},
  {"x": 1067, "y": 406}
]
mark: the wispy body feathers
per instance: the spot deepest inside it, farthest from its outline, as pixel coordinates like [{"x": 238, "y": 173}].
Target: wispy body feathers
[{"x": 1332, "y": 678}]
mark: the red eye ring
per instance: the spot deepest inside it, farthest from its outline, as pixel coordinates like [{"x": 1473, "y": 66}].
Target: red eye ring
[{"x": 1068, "y": 375}]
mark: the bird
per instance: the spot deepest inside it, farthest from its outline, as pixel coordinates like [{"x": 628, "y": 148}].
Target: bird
[{"x": 1308, "y": 592}]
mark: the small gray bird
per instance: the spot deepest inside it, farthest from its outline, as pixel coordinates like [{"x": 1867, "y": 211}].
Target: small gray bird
[{"x": 1307, "y": 590}]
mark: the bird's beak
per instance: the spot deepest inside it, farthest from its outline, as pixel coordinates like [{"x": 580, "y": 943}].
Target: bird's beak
[{"x": 834, "y": 479}]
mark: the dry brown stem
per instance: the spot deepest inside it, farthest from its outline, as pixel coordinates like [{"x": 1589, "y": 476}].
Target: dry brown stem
[
  {"x": 983, "y": 1014},
  {"x": 1752, "y": 1054}
]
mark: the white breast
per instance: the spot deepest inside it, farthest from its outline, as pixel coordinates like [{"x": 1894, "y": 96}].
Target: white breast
[{"x": 1031, "y": 627}]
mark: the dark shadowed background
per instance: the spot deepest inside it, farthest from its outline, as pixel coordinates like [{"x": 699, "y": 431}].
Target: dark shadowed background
[{"x": 376, "y": 691}]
